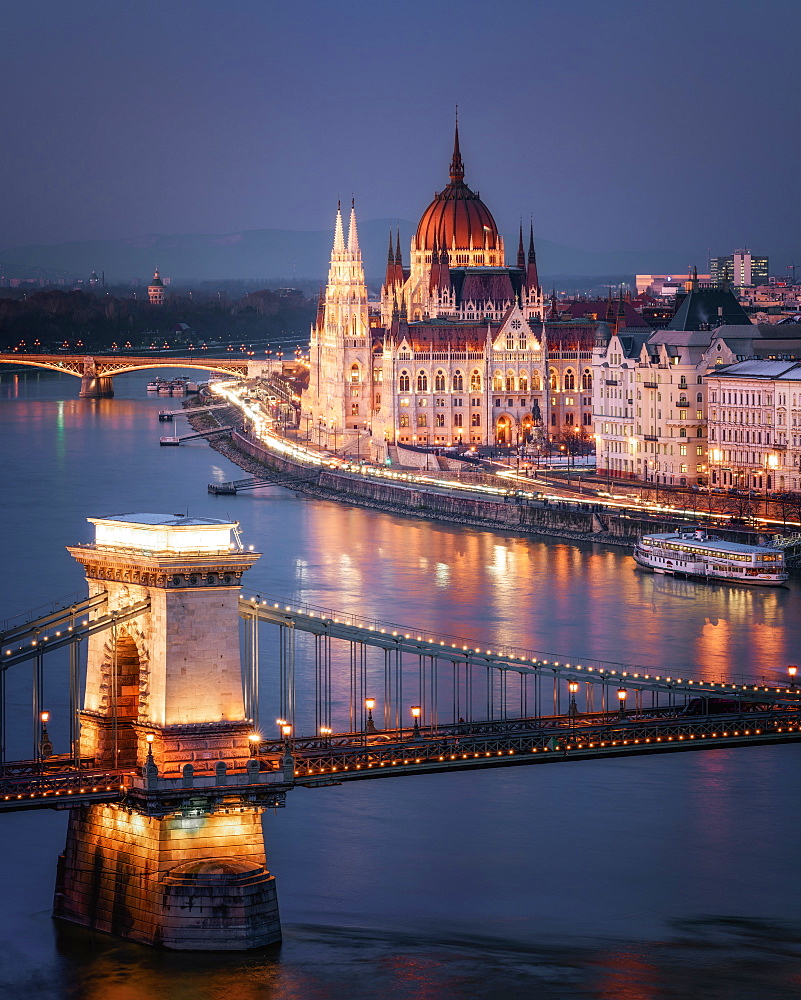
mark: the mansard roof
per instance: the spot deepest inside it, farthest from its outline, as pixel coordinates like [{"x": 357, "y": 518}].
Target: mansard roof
[{"x": 706, "y": 306}]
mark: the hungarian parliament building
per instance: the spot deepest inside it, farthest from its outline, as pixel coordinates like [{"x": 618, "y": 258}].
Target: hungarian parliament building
[{"x": 461, "y": 348}]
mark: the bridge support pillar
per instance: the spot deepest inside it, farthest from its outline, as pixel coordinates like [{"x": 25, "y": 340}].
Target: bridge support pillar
[
  {"x": 96, "y": 387},
  {"x": 193, "y": 880},
  {"x": 181, "y": 863}
]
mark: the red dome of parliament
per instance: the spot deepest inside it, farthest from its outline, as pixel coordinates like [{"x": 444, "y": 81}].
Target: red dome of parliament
[{"x": 457, "y": 215}]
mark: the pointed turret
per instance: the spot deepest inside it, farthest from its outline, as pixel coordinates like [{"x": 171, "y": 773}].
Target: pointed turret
[
  {"x": 521, "y": 253},
  {"x": 389, "y": 280},
  {"x": 457, "y": 167},
  {"x": 398, "y": 255},
  {"x": 532, "y": 277},
  {"x": 339, "y": 235},
  {"x": 444, "y": 283},
  {"x": 353, "y": 233}
]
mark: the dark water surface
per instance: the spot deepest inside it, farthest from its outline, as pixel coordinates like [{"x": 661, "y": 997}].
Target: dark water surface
[{"x": 644, "y": 878}]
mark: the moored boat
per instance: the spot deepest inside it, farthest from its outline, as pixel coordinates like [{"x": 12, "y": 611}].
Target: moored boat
[{"x": 697, "y": 555}]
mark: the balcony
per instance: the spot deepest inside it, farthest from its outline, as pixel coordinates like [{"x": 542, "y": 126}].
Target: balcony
[
  {"x": 650, "y": 385},
  {"x": 612, "y": 381}
]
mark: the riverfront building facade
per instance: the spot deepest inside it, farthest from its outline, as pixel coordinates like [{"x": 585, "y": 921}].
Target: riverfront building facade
[{"x": 459, "y": 349}]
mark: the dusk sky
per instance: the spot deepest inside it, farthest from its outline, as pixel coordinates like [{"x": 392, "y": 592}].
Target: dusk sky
[{"x": 618, "y": 125}]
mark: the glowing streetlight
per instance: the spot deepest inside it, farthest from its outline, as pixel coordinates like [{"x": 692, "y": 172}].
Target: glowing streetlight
[
  {"x": 792, "y": 670},
  {"x": 369, "y": 704},
  {"x": 45, "y": 746},
  {"x": 573, "y": 687},
  {"x": 416, "y": 717},
  {"x": 621, "y": 697}
]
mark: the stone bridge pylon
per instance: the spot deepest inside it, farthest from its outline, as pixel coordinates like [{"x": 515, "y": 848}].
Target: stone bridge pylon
[{"x": 180, "y": 861}]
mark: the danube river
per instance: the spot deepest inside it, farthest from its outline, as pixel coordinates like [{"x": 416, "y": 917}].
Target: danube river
[{"x": 628, "y": 879}]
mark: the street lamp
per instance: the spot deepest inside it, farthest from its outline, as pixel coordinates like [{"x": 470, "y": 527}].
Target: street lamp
[
  {"x": 416, "y": 717},
  {"x": 621, "y": 697},
  {"x": 45, "y": 746},
  {"x": 254, "y": 739},
  {"x": 573, "y": 687},
  {"x": 325, "y": 732},
  {"x": 286, "y": 732},
  {"x": 369, "y": 704},
  {"x": 792, "y": 670}
]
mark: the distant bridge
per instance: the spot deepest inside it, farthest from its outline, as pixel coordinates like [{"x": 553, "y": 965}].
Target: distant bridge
[{"x": 97, "y": 371}]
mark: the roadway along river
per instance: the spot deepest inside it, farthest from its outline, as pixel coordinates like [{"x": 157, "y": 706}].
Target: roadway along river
[{"x": 628, "y": 878}]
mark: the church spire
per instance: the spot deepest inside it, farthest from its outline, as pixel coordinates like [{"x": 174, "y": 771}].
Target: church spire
[
  {"x": 353, "y": 233},
  {"x": 457, "y": 167},
  {"x": 532, "y": 276},
  {"x": 521, "y": 254},
  {"x": 339, "y": 236}
]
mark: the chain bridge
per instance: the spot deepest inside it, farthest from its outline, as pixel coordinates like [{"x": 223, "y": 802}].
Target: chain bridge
[
  {"x": 96, "y": 372},
  {"x": 166, "y": 766}
]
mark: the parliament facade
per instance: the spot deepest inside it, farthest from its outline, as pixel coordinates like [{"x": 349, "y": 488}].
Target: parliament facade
[{"x": 461, "y": 348}]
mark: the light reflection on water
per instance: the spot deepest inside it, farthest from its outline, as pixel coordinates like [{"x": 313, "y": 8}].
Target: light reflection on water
[{"x": 544, "y": 881}]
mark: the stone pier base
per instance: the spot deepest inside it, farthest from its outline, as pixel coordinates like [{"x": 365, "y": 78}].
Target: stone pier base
[
  {"x": 96, "y": 387},
  {"x": 191, "y": 881}
]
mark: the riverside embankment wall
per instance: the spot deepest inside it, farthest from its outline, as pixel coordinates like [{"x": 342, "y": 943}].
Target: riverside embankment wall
[{"x": 558, "y": 519}]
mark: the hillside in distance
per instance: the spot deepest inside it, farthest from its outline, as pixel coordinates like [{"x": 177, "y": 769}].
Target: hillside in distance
[{"x": 271, "y": 253}]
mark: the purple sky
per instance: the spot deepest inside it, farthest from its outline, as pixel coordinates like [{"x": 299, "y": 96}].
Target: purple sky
[{"x": 618, "y": 125}]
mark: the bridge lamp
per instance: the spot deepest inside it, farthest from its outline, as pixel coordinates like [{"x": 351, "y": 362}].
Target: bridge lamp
[
  {"x": 416, "y": 717},
  {"x": 792, "y": 670},
  {"x": 286, "y": 730},
  {"x": 254, "y": 739},
  {"x": 621, "y": 697},
  {"x": 573, "y": 687},
  {"x": 369, "y": 704}
]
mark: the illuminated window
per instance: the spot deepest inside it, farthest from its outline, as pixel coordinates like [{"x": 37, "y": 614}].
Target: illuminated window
[
  {"x": 354, "y": 409},
  {"x": 439, "y": 420},
  {"x": 475, "y": 380},
  {"x": 522, "y": 382},
  {"x": 404, "y": 420},
  {"x": 422, "y": 420},
  {"x": 497, "y": 381},
  {"x": 475, "y": 420},
  {"x": 354, "y": 373},
  {"x": 510, "y": 381}
]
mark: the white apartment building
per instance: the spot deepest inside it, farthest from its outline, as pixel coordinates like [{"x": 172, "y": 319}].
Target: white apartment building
[
  {"x": 649, "y": 406},
  {"x": 754, "y": 423}
]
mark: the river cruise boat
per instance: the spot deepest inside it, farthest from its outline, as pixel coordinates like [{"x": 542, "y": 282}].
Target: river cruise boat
[{"x": 698, "y": 555}]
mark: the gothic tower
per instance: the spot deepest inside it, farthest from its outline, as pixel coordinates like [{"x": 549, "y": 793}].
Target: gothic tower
[{"x": 337, "y": 405}]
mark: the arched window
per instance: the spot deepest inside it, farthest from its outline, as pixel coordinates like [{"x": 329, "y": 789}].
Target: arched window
[
  {"x": 457, "y": 420},
  {"x": 422, "y": 420},
  {"x": 458, "y": 382},
  {"x": 497, "y": 382},
  {"x": 355, "y": 375},
  {"x": 552, "y": 379},
  {"x": 403, "y": 382},
  {"x": 475, "y": 420},
  {"x": 535, "y": 382},
  {"x": 422, "y": 381},
  {"x": 699, "y": 432},
  {"x": 586, "y": 380},
  {"x": 439, "y": 381},
  {"x": 510, "y": 381},
  {"x": 569, "y": 419},
  {"x": 570, "y": 380},
  {"x": 699, "y": 398},
  {"x": 510, "y": 341},
  {"x": 522, "y": 382},
  {"x": 404, "y": 420},
  {"x": 475, "y": 380},
  {"x": 354, "y": 409},
  {"x": 439, "y": 420}
]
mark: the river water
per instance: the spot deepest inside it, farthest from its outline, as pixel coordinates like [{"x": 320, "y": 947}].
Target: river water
[{"x": 674, "y": 876}]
